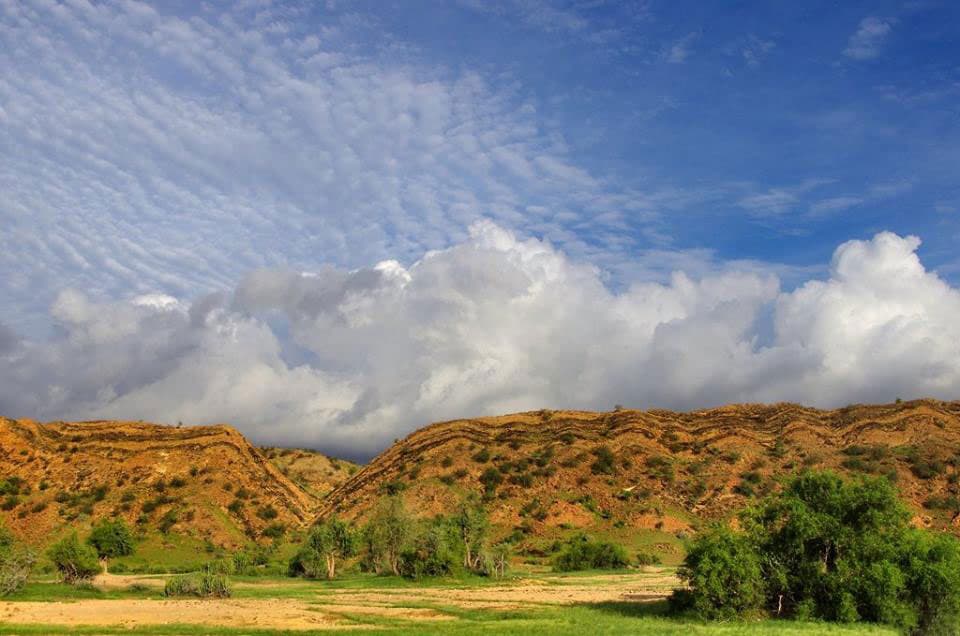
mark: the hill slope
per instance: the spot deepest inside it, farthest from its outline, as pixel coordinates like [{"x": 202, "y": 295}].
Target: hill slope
[
  {"x": 657, "y": 471},
  {"x": 204, "y": 482},
  {"x": 314, "y": 472}
]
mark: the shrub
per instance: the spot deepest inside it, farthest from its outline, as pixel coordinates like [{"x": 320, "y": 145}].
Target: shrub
[
  {"x": 491, "y": 478},
  {"x": 167, "y": 521},
  {"x": 648, "y": 558},
  {"x": 275, "y": 531},
  {"x": 207, "y": 584},
  {"x": 267, "y": 513},
  {"x": 605, "y": 463},
  {"x": 431, "y": 553},
  {"x": 16, "y": 563},
  {"x": 111, "y": 539},
  {"x": 76, "y": 562},
  {"x": 723, "y": 574},
  {"x": 584, "y": 553},
  {"x": 482, "y": 456},
  {"x": 661, "y": 468}
]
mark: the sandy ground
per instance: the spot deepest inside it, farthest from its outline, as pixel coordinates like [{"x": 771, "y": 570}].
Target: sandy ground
[{"x": 329, "y": 608}]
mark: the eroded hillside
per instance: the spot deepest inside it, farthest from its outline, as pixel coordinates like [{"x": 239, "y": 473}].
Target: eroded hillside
[
  {"x": 548, "y": 472},
  {"x": 311, "y": 470},
  {"x": 205, "y": 482}
]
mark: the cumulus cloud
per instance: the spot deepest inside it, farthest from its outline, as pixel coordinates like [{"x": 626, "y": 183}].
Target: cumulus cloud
[
  {"x": 867, "y": 41},
  {"x": 347, "y": 360}
]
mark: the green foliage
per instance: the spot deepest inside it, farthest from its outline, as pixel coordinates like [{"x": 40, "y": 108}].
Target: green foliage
[
  {"x": 431, "y": 552},
  {"x": 482, "y": 456},
  {"x": 385, "y": 536},
  {"x": 326, "y": 542},
  {"x": 472, "y": 525},
  {"x": 661, "y": 468},
  {"x": 829, "y": 550},
  {"x": 16, "y": 563},
  {"x": 275, "y": 531},
  {"x": 111, "y": 539},
  {"x": 605, "y": 462},
  {"x": 722, "y": 570},
  {"x": 648, "y": 558},
  {"x": 491, "y": 478},
  {"x": 582, "y": 552},
  {"x": 75, "y": 561},
  {"x": 206, "y": 584},
  {"x": 168, "y": 520},
  {"x": 267, "y": 513}
]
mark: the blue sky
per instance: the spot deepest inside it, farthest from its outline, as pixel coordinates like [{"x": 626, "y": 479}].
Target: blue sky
[{"x": 167, "y": 168}]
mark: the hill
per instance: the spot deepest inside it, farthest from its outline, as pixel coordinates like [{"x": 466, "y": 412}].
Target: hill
[
  {"x": 203, "y": 485},
  {"x": 647, "y": 478},
  {"x": 313, "y": 471}
]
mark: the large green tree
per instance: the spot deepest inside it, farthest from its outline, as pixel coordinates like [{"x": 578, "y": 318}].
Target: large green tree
[
  {"x": 832, "y": 550},
  {"x": 386, "y": 535}
]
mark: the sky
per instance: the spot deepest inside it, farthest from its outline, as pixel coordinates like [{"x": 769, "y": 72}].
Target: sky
[{"x": 329, "y": 224}]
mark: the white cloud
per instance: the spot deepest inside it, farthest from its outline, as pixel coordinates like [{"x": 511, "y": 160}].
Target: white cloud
[
  {"x": 348, "y": 360},
  {"x": 145, "y": 151},
  {"x": 680, "y": 50},
  {"x": 867, "y": 41}
]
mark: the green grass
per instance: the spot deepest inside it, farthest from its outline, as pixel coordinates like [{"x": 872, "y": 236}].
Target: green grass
[
  {"x": 45, "y": 591},
  {"x": 600, "y": 618},
  {"x": 164, "y": 553}
]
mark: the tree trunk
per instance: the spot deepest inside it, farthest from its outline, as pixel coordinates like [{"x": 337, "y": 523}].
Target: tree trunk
[{"x": 331, "y": 567}]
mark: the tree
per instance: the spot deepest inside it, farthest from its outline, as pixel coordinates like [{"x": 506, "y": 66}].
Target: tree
[
  {"x": 472, "y": 524},
  {"x": 430, "y": 553},
  {"x": 74, "y": 560},
  {"x": 111, "y": 539},
  {"x": 830, "y": 550},
  {"x": 16, "y": 563},
  {"x": 327, "y": 541},
  {"x": 386, "y": 535},
  {"x": 722, "y": 570}
]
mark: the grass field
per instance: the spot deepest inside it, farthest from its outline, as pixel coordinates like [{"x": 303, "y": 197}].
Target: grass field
[{"x": 533, "y": 602}]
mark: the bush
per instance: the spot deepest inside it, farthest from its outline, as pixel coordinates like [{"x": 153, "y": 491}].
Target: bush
[
  {"x": 76, "y": 562},
  {"x": 275, "y": 531},
  {"x": 584, "y": 553},
  {"x": 604, "y": 463},
  {"x": 491, "y": 478},
  {"x": 207, "y": 584},
  {"x": 648, "y": 558},
  {"x": 16, "y": 563},
  {"x": 111, "y": 539},
  {"x": 722, "y": 570},
  {"x": 267, "y": 513},
  {"x": 432, "y": 553}
]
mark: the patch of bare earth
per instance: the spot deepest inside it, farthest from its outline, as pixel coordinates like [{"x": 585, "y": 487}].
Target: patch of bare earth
[
  {"x": 647, "y": 587},
  {"x": 241, "y": 613}
]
